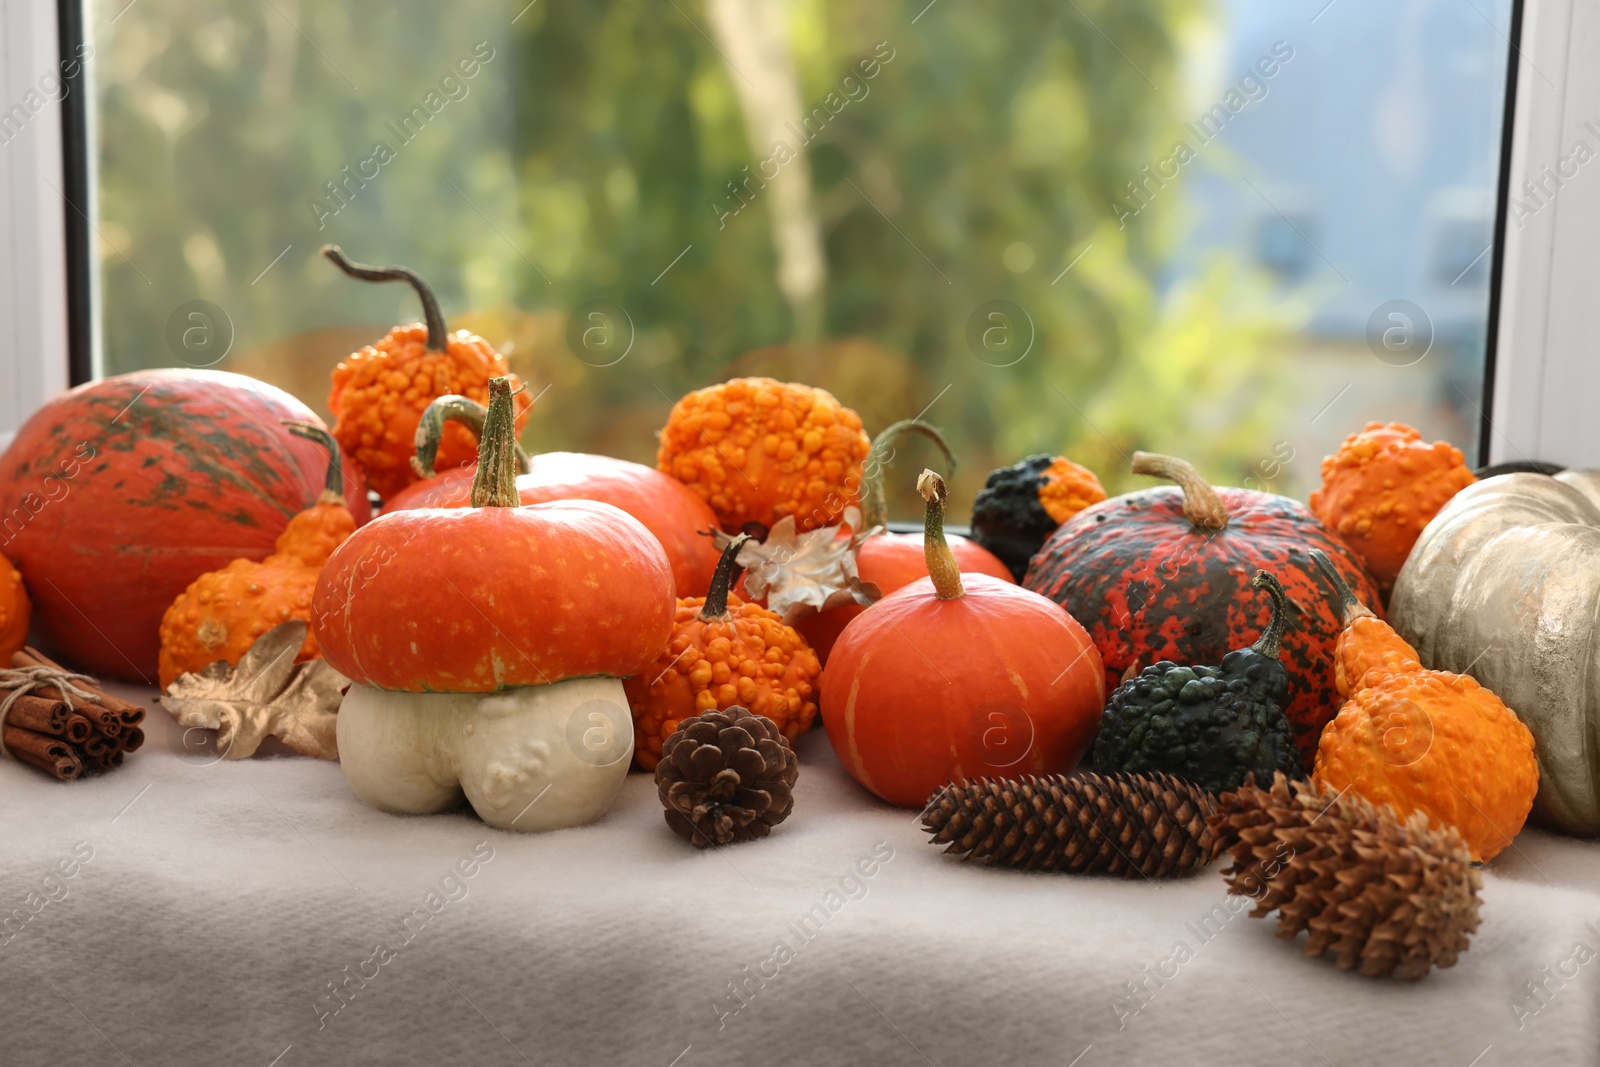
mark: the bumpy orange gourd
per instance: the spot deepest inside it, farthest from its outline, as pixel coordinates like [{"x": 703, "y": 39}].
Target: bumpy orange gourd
[
  {"x": 15, "y": 612},
  {"x": 1066, "y": 488},
  {"x": 1423, "y": 740},
  {"x": 724, "y": 651},
  {"x": 222, "y": 612},
  {"x": 380, "y": 392},
  {"x": 1382, "y": 487},
  {"x": 757, "y": 449}
]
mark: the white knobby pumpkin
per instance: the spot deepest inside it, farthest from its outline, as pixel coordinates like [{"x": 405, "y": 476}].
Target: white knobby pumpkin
[{"x": 1504, "y": 585}]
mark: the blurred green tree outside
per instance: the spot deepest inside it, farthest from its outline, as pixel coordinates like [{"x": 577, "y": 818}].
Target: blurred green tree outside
[{"x": 624, "y": 156}]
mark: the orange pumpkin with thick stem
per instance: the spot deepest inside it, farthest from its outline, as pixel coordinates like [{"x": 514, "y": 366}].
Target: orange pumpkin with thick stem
[
  {"x": 1423, "y": 740},
  {"x": 380, "y": 392},
  {"x": 15, "y": 612},
  {"x": 681, "y": 521},
  {"x": 223, "y": 612},
  {"x": 890, "y": 560},
  {"x": 959, "y": 676},
  {"x": 1381, "y": 488},
  {"x": 757, "y": 449},
  {"x": 724, "y": 652}
]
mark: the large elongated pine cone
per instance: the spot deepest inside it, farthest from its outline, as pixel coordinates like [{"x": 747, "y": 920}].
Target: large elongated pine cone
[
  {"x": 1384, "y": 895},
  {"x": 726, "y": 776},
  {"x": 1127, "y": 824}
]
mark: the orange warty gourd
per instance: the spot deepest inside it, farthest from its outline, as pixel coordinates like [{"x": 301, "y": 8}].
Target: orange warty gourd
[
  {"x": 380, "y": 392},
  {"x": 757, "y": 449},
  {"x": 680, "y": 520},
  {"x": 1382, "y": 487},
  {"x": 222, "y": 612},
  {"x": 959, "y": 676},
  {"x": 724, "y": 651},
  {"x": 1423, "y": 740},
  {"x": 1066, "y": 488},
  {"x": 15, "y": 612},
  {"x": 893, "y": 560}
]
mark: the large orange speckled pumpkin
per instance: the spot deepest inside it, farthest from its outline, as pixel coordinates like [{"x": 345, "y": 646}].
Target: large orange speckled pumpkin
[{"x": 116, "y": 495}]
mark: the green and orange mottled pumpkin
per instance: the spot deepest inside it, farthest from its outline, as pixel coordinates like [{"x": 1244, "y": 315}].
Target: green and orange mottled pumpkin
[
  {"x": 116, "y": 495},
  {"x": 1164, "y": 574}
]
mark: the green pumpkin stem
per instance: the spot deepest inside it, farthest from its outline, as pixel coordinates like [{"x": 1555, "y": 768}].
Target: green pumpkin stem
[
  {"x": 1201, "y": 505},
  {"x": 438, "y": 337},
  {"x": 1271, "y": 640},
  {"x": 430, "y": 431},
  {"x": 728, "y": 568},
  {"x": 1350, "y": 609},
  {"x": 333, "y": 481},
  {"x": 874, "y": 504},
  {"x": 942, "y": 565},
  {"x": 494, "y": 485}
]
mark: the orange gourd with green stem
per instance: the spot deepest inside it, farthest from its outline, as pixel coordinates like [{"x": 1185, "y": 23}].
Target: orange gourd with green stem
[
  {"x": 380, "y": 392},
  {"x": 958, "y": 676},
  {"x": 680, "y": 520},
  {"x": 1423, "y": 740},
  {"x": 221, "y": 613},
  {"x": 723, "y": 651}
]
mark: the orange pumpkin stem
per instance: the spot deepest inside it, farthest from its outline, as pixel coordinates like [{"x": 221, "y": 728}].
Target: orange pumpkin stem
[
  {"x": 1351, "y": 608},
  {"x": 728, "y": 568},
  {"x": 333, "y": 484},
  {"x": 451, "y": 407},
  {"x": 874, "y": 504},
  {"x": 494, "y": 485},
  {"x": 438, "y": 336},
  {"x": 1201, "y": 504},
  {"x": 1271, "y": 640},
  {"x": 942, "y": 565}
]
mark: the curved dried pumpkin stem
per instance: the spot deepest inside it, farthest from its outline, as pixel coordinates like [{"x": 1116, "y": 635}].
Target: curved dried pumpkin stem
[
  {"x": 451, "y": 407},
  {"x": 494, "y": 485},
  {"x": 1350, "y": 608},
  {"x": 1271, "y": 640},
  {"x": 333, "y": 482},
  {"x": 1201, "y": 504},
  {"x": 942, "y": 565},
  {"x": 874, "y": 504},
  {"x": 716, "y": 605},
  {"x": 438, "y": 337}
]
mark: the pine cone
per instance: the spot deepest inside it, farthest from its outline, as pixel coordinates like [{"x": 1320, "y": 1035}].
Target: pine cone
[
  {"x": 1381, "y": 893},
  {"x": 1123, "y": 824},
  {"x": 726, "y": 776}
]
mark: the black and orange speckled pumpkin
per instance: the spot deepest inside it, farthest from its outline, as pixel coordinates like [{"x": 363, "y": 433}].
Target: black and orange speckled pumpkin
[{"x": 1164, "y": 574}]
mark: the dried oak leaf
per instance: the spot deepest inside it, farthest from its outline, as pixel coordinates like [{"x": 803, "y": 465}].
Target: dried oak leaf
[
  {"x": 803, "y": 574},
  {"x": 267, "y": 693}
]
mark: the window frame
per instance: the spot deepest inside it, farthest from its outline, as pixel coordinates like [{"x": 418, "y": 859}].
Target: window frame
[{"x": 1537, "y": 308}]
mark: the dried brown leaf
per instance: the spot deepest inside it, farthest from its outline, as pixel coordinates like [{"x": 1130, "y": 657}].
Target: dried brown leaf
[
  {"x": 803, "y": 574},
  {"x": 268, "y": 693}
]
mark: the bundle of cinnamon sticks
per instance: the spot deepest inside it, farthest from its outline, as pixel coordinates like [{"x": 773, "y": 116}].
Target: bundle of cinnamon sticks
[{"x": 43, "y": 731}]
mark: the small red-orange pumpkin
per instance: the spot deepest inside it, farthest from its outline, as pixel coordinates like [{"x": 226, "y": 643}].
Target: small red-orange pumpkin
[{"x": 959, "y": 676}]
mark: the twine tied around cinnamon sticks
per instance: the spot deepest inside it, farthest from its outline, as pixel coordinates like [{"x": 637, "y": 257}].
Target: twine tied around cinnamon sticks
[
  {"x": 62, "y": 722},
  {"x": 23, "y": 680}
]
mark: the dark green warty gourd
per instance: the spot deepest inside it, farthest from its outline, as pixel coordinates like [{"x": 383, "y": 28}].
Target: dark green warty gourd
[{"x": 1211, "y": 725}]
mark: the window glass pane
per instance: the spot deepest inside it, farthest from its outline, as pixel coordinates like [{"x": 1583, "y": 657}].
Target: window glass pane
[{"x": 1233, "y": 230}]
